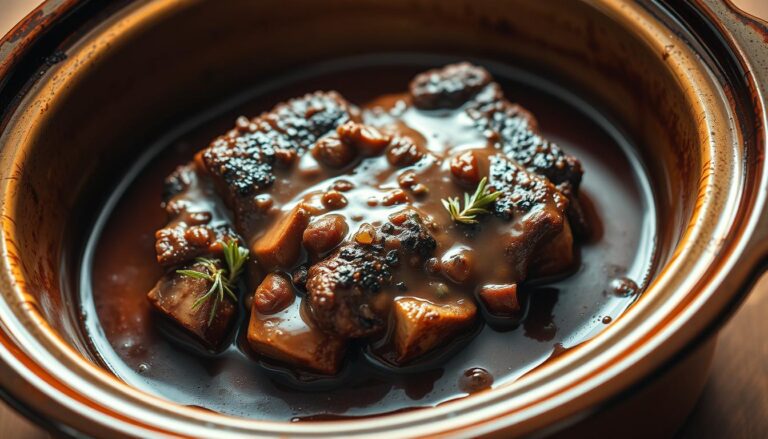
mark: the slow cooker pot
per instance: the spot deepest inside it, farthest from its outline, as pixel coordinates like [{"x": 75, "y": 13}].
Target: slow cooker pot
[{"x": 83, "y": 85}]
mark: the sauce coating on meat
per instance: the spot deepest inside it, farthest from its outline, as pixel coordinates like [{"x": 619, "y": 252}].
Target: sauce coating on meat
[{"x": 373, "y": 224}]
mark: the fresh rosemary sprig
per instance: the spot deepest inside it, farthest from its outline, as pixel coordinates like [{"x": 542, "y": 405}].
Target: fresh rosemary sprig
[
  {"x": 235, "y": 257},
  {"x": 473, "y": 205},
  {"x": 222, "y": 279}
]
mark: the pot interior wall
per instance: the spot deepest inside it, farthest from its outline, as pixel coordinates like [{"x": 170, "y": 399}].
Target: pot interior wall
[{"x": 194, "y": 56}]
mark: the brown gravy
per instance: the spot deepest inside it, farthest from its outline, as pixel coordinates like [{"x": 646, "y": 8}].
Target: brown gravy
[{"x": 119, "y": 268}]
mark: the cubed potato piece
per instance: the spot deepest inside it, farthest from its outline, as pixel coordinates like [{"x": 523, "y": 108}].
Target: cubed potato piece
[
  {"x": 555, "y": 256},
  {"x": 501, "y": 299},
  {"x": 174, "y": 296},
  {"x": 287, "y": 337},
  {"x": 421, "y": 325},
  {"x": 280, "y": 246}
]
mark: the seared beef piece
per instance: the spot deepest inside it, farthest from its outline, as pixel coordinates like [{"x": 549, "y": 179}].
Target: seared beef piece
[
  {"x": 242, "y": 161},
  {"x": 421, "y": 326},
  {"x": 180, "y": 242},
  {"x": 521, "y": 190},
  {"x": 304, "y": 120},
  {"x": 407, "y": 230},
  {"x": 241, "y": 164},
  {"x": 174, "y": 296},
  {"x": 537, "y": 209},
  {"x": 448, "y": 87},
  {"x": 554, "y": 256},
  {"x": 344, "y": 291},
  {"x": 178, "y": 181},
  {"x": 182, "y": 190},
  {"x": 512, "y": 129},
  {"x": 190, "y": 231}
]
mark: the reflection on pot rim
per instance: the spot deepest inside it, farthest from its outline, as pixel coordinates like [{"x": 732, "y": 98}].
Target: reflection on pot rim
[{"x": 669, "y": 321}]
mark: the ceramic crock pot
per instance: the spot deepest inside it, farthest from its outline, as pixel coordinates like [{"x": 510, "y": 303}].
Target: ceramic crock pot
[{"x": 84, "y": 84}]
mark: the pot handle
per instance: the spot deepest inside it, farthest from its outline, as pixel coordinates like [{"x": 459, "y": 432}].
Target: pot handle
[
  {"x": 748, "y": 37},
  {"x": 750, "y": 34}
]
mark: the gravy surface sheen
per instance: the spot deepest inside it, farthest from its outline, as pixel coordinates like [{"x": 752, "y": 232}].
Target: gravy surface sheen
[{"x": 119, "y": 265}]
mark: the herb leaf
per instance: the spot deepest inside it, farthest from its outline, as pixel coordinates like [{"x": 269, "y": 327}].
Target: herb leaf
[
  {"x": 195, "y": 274},
  {"x": 474, "y": 205},
  {"x": 235, "y": 257},
  {"x": 222, "y": 279}
]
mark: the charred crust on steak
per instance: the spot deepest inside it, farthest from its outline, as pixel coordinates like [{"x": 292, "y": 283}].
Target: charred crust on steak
[
  {"x": 342, "y": 289},
  {"x": 448, "y": 87},
  {"x": 244, "y": 159}
]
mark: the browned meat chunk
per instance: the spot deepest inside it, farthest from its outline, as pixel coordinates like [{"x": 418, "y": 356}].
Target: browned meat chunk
[
  {"x": 175, "y": 296},
  {"x": 273, "y": 294},
  {"x": 522, "y": 191},
  {"x": 192, "y": 229},
  {"x": 345, "y": 290},
  {"x": 535, "y": 208},
  {"x": 448, "y": 87},
  {"x": 280, "y": 246},
  {"x": 242, "y": 161},
  {"x": 406, "y": 230},
  {"x": 304, "y": 120},
  {"x": 290, "y": 337},
  {"x": 501, "y": 300},
  {"x": 385, "y": 281},
  {"x": 366, "y": 139},
  {"x": 556, "y": 256},
  {"x": 180, "y": 242},
  {"x": 181, "y": 179},
  {"x": 512, "y": 129},
  {"x": 421, "y": 326}
]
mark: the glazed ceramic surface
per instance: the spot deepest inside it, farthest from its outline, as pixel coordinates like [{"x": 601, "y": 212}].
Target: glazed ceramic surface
[{"x": 685, "y": 83}]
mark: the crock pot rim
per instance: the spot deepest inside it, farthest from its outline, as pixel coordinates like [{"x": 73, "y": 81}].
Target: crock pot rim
[{"x": 64, "y": 5}]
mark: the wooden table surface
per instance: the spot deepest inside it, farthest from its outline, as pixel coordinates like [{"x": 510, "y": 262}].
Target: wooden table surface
[{"x": 735, "y": 401}]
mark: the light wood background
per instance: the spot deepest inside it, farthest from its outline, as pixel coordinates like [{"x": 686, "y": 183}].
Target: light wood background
[{"x": 735, "y": 400}]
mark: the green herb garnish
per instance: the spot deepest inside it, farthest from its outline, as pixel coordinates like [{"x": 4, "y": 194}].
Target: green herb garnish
[
  {"x": 473, "y": 205},
  {"x": 222, "y": 279}
]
